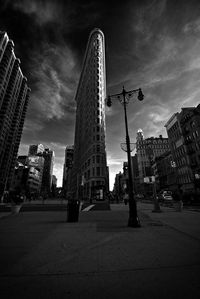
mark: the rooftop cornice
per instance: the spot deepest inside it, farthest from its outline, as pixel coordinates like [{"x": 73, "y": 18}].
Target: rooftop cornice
[
  {"x": 175, "y": 115},
  {"x": 95, "y": 30}
]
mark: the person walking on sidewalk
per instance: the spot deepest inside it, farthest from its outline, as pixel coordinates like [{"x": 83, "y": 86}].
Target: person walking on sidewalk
[{"x": 125, "y": 197}]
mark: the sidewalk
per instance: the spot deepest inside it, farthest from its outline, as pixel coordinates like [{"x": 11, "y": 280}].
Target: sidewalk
[
  {"x": 187, "y": 221},
  {"x": 43, "y": 256},
  {"x": 34, "y": 205}
]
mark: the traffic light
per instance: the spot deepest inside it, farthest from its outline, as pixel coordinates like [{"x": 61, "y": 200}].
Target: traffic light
[
  {"x": 109, "y": 102},
  {"x": 140, "y": 95}
]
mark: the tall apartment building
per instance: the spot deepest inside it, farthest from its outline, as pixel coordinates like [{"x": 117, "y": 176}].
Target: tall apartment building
[
  {"x": 67, "y": 169},
  {"x": 183, "y": 130},
  {"x": 14, "y": 97},
  {"x": 90, "y": 175},
  {"x": 147, "y": 150}
]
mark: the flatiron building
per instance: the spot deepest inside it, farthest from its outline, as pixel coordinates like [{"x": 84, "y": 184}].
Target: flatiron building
[
  {"x": 14, "y": 97},
  {"x": 90, "y": 172}
]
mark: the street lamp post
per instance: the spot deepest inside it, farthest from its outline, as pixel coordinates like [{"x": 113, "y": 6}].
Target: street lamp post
[{"x": 124, "y": 98}]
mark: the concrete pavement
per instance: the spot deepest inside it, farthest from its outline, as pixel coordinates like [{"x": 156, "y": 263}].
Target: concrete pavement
[{"x": 43, "y": 256}]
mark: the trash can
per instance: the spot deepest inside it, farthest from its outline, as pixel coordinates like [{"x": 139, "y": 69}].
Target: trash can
[{"x": 73, "y": 211}]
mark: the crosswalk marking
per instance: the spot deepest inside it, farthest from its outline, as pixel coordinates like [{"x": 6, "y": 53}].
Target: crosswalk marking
[{"x": 88, "y": 208}]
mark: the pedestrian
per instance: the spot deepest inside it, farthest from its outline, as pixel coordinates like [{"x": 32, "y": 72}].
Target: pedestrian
[{"x": 125, "y": 197}]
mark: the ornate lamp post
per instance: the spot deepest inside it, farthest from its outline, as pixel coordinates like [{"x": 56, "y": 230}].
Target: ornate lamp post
[{"x": 124, "y": 98}]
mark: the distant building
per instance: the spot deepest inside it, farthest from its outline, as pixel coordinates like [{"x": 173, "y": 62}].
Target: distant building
[
  {"x": 49, "y": 157},
  {"x": 26, "y": 178},
  {"x": 121, "y": 183},
  {"x": 147, "y": 150},
  {"x": 23, "y": 160},
  {"x": 118, "y": 190},
  {"x": 54, "y": 181},
  {"x": 14, "y": 97},
  {"x": 183, "y": 131},
  {"x": 54, "y": 185},
  {"x": 38, "y": 153},
  {"x": 33, "y": 182},
  {"x": 165, "y": 173},
  {"x": 36, "y": 149},
  {"x": 20, "y": 178},
  {"x": 36, "y": 163},
  {"x": 89, "y": 172},
  {"x": 67, "y": 169}
]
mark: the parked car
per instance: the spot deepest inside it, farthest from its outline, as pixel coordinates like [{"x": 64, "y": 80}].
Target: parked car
[{"x": 165, "y": 196}]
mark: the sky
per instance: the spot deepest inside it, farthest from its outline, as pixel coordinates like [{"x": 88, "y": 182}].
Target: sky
[{"x": 152, "y": 44}]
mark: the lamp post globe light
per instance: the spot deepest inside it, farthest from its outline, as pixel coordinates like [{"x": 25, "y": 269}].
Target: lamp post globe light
[{"x": 124, "y": 98}]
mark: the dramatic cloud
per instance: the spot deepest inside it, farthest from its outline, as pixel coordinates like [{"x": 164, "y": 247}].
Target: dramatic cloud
[
  {"x": 43, "y": 12},
  {"x": 192, "y": 27},
  {"x": 54, "y": 89}
]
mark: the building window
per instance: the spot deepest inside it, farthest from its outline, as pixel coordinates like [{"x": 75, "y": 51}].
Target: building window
[
  {"x": 98, "y": 171},
  {"x": 98, "y": 159}
]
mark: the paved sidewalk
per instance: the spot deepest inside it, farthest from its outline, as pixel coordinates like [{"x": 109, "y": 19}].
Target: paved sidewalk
[
  {"x": 187, "y": 221},
  {"x": 43, "y": 256}
]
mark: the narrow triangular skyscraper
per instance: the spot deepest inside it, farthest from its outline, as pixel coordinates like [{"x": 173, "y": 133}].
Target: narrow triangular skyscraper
[{"x": 90, "y": 172}]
